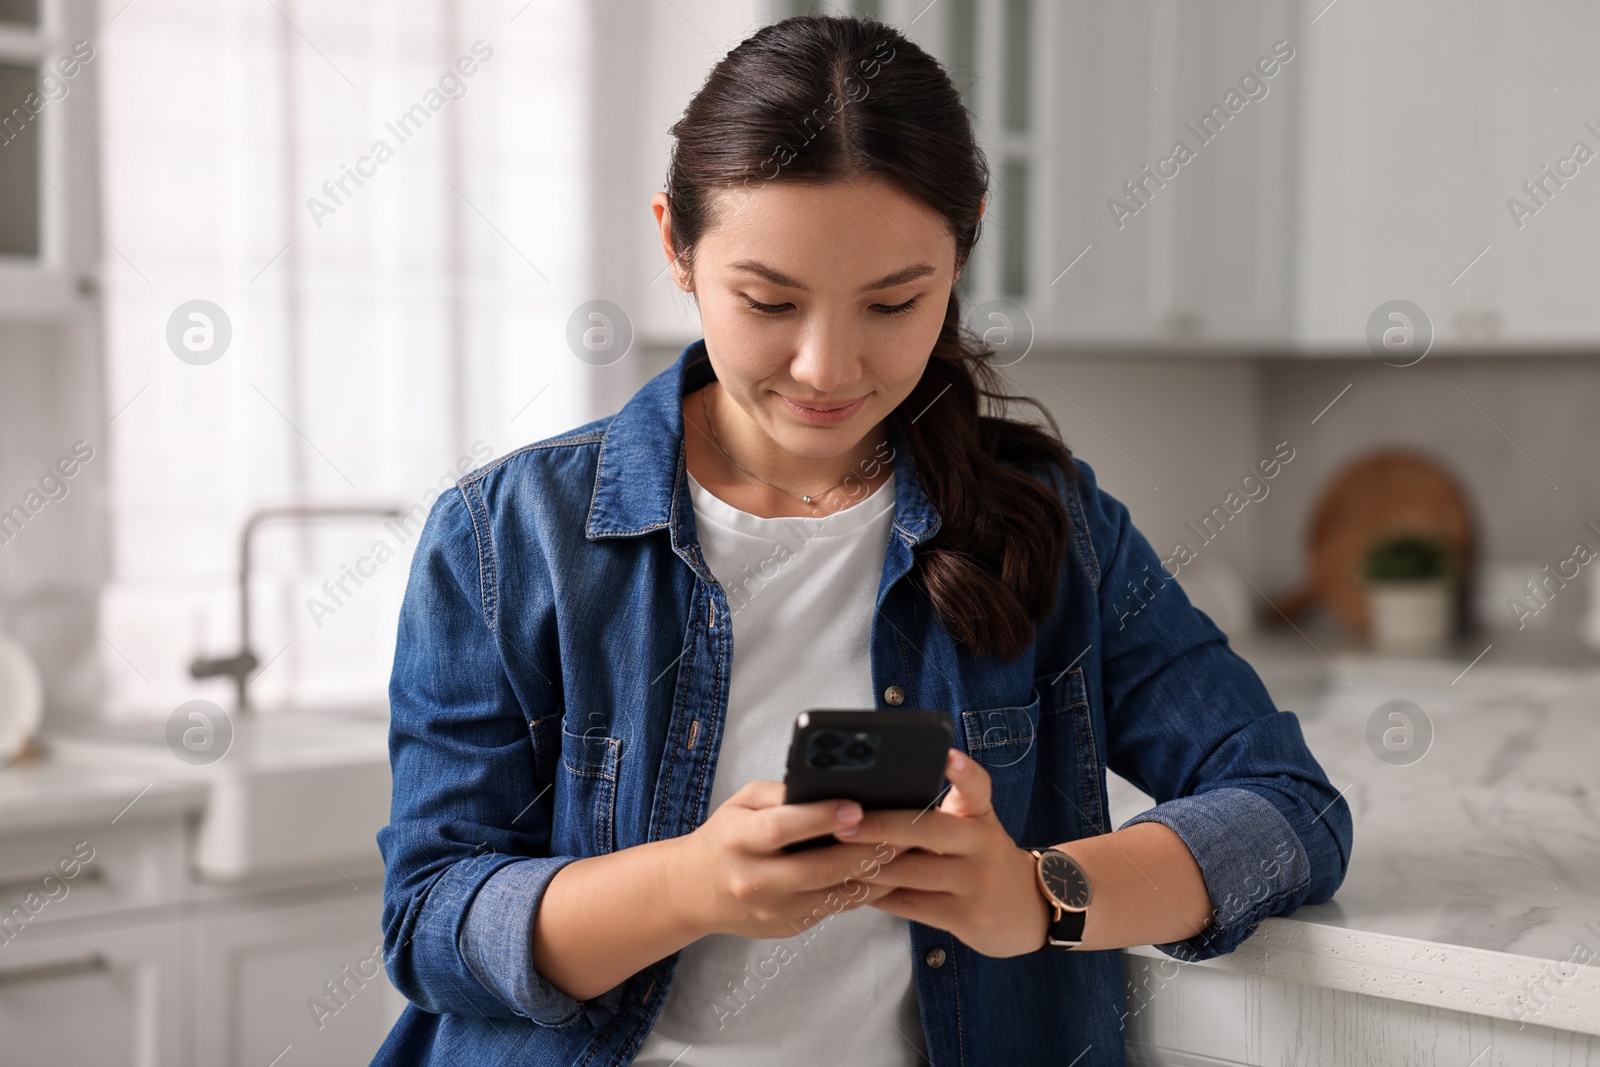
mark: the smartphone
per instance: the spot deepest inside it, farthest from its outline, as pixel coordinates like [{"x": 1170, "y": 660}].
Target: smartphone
[{"x": 880, "y": 759}]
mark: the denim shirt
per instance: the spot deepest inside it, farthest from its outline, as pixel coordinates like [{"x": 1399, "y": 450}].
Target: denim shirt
[{"x": 560, "y": 687}]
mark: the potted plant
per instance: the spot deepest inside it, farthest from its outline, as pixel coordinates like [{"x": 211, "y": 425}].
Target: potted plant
[{"x": 1410, "y": 581}]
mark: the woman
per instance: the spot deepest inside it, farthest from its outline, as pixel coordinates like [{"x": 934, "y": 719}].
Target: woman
[{"x": 607, "y": 636}]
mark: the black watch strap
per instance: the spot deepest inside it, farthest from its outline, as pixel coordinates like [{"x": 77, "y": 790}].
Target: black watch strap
[{"x": 1068, "y": 928}]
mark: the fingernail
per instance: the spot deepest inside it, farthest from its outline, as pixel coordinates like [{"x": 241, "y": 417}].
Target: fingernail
[
  {"x": 848, "y": 811},
  {"x": 957, "y": 760}
]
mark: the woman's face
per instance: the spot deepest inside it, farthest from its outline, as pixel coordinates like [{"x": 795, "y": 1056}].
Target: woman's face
[{"x": 820, "y": 305}]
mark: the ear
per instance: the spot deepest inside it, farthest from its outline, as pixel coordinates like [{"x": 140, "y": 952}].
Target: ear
[
  {"x": 659, "y": 203},
  {"x": 982, "y": 205}
]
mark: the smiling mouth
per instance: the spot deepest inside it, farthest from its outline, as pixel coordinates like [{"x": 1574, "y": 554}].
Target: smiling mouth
[
  {"x": 824, "y": 407},
  {"x": 833, "y": 414}
]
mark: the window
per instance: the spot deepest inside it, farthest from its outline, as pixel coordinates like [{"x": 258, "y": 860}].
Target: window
[{"x": 387, "y": 203}]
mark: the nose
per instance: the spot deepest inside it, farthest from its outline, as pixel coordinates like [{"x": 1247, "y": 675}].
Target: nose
[{"x": 828, "y": 359}]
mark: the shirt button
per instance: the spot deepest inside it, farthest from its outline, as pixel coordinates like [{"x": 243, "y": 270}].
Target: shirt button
[
  {"x": 935, "y": 957},
  {"x": 896, "y": 696}
]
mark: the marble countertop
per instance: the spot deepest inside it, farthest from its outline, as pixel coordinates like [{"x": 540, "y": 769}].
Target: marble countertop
[{"x": 1474, "y": 882}]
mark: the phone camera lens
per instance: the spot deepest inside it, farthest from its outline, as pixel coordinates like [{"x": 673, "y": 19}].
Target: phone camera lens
[
  {"x": 827, "y": 740},
  {"x": 858, "y": 750},
  {"x": 823, "y": 759}
]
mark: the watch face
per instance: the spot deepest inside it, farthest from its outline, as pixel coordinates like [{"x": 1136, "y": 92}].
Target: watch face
[{"x": 1064, "y": 880}]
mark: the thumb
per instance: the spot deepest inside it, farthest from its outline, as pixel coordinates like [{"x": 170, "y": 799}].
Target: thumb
[
  {"x": 969, "y": 786},
  {"x": 758, "y": 793}
]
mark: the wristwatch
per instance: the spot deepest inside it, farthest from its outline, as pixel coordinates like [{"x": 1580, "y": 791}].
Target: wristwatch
[{"x": 1066, "y": 887}]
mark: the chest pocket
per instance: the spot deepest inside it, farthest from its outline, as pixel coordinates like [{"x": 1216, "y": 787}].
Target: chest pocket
[
  {"x": 586, "y": 793},
  {"x": 1005, "y": 742}
]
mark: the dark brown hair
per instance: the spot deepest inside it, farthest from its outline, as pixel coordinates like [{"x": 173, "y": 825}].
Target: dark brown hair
[{"x": 821, "y": 98}]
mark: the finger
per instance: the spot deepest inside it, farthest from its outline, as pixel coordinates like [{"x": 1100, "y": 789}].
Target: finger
[
  {"x": 853, "y": 896},
  {"x": 938, "y": 910},
  {"x": 936, "y": 830},
  {"x": 970, "y": 786},
  {"x": 928, "y": 871},
  {"x": 824, "y": 868},
  {"x": 877, "y": 891},
  {"x": 780, "y": 824},
  {"x": 758, "y": 793}
]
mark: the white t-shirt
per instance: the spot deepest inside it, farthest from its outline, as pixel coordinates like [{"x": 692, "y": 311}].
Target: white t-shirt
[{"x": 802, "y": 593}]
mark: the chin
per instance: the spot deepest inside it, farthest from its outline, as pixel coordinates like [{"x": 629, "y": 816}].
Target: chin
[
  {"x": 818, "y": 442},
  {"x": 819, "y": 445}
]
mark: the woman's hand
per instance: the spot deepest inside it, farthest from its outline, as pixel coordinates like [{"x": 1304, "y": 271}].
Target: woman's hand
[
  {"x": 972, "y": 880},
  {"x": 731, "y": 875}
]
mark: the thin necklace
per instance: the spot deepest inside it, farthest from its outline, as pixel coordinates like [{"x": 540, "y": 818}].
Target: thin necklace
[{"x": 802, "y": 497}]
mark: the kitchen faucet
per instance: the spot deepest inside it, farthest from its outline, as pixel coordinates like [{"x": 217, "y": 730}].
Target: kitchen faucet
[{"x": 243, "y": 663}]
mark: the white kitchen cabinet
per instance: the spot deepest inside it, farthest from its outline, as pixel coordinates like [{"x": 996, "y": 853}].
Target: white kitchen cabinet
[
  {"x": 1377, "y": 166},
  {"x": 1225, "y": 1014},
  {"x": 303, "y": 975},
  {"x": 1197, "y": 254},
  {"x": 91, "y": 885},
  {"x": 1541, "y": 280},
  {"x": 49, "y": 248},
  {"x": 1394, "y": 146},
  {"x": 1223, "y": 276},
  {"x": 92, "y": 997},
  {"x": 1421, "y": 120},
  {"x": 134, "y": 867},
  {"x": 132, "y": 958}
]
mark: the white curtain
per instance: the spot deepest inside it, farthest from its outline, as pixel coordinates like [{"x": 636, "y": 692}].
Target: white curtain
[{"x": 384, "y": 332}]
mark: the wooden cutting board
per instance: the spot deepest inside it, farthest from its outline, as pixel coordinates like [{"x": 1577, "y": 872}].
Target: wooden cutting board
[{"x": 1381, "y": 493}]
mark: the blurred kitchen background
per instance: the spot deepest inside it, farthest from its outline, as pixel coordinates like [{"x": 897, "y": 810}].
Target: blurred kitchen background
[{"x": 1372, "y": 273}]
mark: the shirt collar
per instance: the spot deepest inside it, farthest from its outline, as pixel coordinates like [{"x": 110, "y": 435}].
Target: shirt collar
[{"x": 640, "y": 484}]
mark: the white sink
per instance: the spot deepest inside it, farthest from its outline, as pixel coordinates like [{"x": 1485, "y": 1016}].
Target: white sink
[{"x": 295, "y": 792}]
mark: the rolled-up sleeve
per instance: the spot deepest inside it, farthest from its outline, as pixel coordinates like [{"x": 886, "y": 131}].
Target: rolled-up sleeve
[
  {"x": 497, "y": 940},
  {"x": 1191, "y": 724},
  {"x": 467, "y": 849},
  {"x": 1225, "y": 829}
]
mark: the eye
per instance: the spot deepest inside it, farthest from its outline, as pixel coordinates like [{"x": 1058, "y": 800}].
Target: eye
[
  {"x": 766, "y": 309},
  {"x": 895, "y": 309}
]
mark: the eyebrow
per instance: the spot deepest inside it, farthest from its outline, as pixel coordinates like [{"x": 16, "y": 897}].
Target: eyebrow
[{"x": 888, "y": 281}]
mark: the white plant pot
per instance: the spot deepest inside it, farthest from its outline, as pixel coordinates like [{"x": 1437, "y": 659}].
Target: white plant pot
[{"x": 1411, "y": 616}]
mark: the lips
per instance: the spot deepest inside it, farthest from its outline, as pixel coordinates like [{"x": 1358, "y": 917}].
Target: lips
[
  {"x": 822, "y": 407},
  {"x": 823, "y": 413}
]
